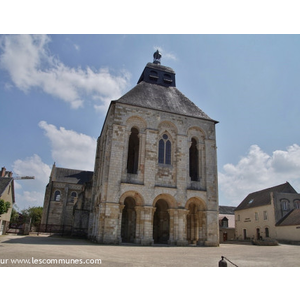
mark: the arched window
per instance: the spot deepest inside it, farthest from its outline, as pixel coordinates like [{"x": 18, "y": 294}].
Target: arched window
[
  {"x": 133, "y": 152},
  {"x": 297, "y": 204},
  {"x": 164, "y": 150},
  {"x": 194, "y": 162},
  {"x": 73, "y": 196},
  {"x": 284, "y": 205},
  {"x": 57, "y": 196}
]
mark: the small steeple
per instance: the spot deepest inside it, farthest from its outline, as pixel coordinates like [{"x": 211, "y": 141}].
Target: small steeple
[{"x": 156, "y": 57}]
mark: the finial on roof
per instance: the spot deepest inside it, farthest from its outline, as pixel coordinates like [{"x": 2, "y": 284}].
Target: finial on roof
[{"x": 156, "y": 57}]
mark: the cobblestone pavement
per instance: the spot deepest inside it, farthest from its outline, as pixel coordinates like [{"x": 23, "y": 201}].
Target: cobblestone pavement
[{"x": 25, "y": 251}]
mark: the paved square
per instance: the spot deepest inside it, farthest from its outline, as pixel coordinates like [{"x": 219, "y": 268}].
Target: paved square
[{"x": 41, "y": 251}]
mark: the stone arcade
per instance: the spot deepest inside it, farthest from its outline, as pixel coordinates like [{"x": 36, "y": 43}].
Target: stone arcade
[{"x": 155, "y": 176}]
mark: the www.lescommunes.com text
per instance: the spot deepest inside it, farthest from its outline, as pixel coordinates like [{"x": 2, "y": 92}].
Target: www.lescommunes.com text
[{"x": 50, "y": 261}]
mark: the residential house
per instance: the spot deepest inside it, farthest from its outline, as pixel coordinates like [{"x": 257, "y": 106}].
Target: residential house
[
  {"x": 7, "y": 194},
  {"x": 270, "y": 213},
  {"x": 226, "y": 223}
]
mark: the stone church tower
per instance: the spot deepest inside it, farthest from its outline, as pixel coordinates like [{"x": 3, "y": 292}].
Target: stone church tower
[{"x": 155, "y": 176}]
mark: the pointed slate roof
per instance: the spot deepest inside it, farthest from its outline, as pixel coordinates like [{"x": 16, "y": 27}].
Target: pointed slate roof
[
  {"x": 71, "y": 176},
  {"x": 263, "y": 197},
  {"x": 4, "y": 182}
]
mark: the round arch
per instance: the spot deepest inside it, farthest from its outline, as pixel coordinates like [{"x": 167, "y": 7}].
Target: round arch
[
  {"x": 197, "y": 133},
  {"x": 136, "y": 122},
  {"x": 168, "y": 198},
  {"x": 138, "y": 198},
  {"x": 198, "y": 202}
]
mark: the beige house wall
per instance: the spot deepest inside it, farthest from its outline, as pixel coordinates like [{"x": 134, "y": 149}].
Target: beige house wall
[
  {"x": 288, "y": 233},
  {"x": 246, "y": 219},
  {"x": 7, "y": 196}
]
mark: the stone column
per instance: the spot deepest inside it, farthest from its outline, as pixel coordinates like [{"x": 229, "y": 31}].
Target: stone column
[
  {"x": 182, "y": 227},
  {"x": 148, "y": 225},
  {"x": 138, "y": 226},
  {"x": 121, "y": 207},
  {"x": 202, "y": 228},
  {"x": 212, "y": 239},
  {"x": 171, "y": 212},
  {"x": 111, "y": 225}
]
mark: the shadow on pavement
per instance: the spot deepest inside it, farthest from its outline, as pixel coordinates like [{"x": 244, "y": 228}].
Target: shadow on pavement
[{"x": 45, "y": 240}]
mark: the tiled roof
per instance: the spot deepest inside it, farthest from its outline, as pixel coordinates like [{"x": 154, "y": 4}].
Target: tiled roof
[
  {"x": 226, "y": 210},
  {"x": 263, "y": 197},
  {"x": 292, "y": 218}
]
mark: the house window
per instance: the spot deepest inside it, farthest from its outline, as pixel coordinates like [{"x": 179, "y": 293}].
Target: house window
[
  {"x": 265, "y": 215},
  {"x": 297, "y": 204},
  {"x": 133, "y": 152},
  {"x": 256, "y": 216},
  {"x": 57, "y": 196},
  {"x": 224, "y": 222},
  {"x": 194, "y": 161},
  {"x": 164, "y": 150}
]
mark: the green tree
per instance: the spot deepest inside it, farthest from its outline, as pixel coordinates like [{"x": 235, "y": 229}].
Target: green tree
[
  {"x": 14, "y": 218},
  {"x": 34, "y": 213},
  {"x": 4, "y": 206}
]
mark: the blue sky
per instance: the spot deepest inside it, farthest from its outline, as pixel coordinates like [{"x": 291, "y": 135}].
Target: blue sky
[{"x": 55, "y": 90}]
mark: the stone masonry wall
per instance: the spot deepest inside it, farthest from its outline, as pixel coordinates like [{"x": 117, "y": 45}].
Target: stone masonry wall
[{"x": 153, "y": 181}]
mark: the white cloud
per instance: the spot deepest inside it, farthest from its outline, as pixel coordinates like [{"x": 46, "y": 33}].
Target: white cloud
[
  {"x": 31, "y": 65},
  {"x": 258, "y": 170},
  {"x": 30, "y": 192},
  {"x": 32, "y": 166},
  {"x": 70, "y": 149}
]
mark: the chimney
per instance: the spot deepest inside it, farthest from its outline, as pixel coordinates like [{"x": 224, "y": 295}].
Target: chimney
[{"x": 3, "y": 171}]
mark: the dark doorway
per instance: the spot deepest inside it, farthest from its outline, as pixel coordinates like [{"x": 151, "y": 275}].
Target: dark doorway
[
  {"x": 128, "y": 221},
  {"x": 224, "y": 236},
  {"x": 267, "y": 232},
  {"x": 133, "y": 152},
  {"x": 245, "y": 234},
  {"x": 257, "y": 233},
  {"x": 161, "y": 223}
]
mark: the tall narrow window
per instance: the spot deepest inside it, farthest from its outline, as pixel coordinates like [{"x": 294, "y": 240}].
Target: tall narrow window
[
  {"x": 133, "y": 152},
  {"x": 194, "y": 161},
  {"x": 57, "y": 196},
  {"x": 164, "y": 150}
]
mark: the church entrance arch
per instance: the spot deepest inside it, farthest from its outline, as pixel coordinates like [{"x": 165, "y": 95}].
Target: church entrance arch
[
  {"x": 195, "y": 221},
  {"x": 128, "y": 221},
  {"x": 161, "y": 222}
]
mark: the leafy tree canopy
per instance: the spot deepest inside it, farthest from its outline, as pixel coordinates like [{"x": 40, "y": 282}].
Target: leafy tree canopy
[{"x": 4, "y": 206}]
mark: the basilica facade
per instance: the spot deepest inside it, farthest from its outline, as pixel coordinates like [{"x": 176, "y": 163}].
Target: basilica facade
[{"x": 155, "y": 175}]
